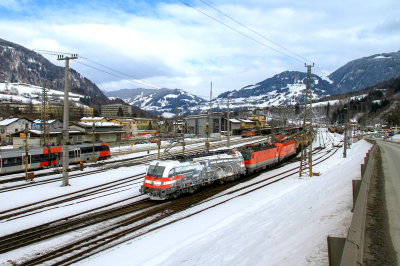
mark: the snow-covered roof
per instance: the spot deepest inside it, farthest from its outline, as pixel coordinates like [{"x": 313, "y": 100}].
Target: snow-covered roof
[
  {"x": 122, "y": 119},
  {"x": 40, "y": 121},
  {"x": 98, "y": 124},
  {"x": 233, "y": 120},
  {"x": 247, "y": 121},
  {"x": 92, "y": 118},
  {"x": 8, "y": 121},
  {"x": 52, "y": 132}
]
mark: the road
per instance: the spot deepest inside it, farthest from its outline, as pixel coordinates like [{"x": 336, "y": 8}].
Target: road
[{"x": 390, "y": 153}]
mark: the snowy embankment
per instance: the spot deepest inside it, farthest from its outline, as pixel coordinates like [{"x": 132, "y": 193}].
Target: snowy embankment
[{"x": 285, "y": 223}]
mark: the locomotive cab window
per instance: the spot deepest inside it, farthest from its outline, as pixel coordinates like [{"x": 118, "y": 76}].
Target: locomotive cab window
[
  {"x": 171, "y": 173},
  {"x": 246, "y": 156},
  {"x": 156, "y": 171}
]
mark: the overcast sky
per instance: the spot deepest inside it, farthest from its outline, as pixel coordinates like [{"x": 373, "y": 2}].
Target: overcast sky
[{"x": 172, "y": 45}]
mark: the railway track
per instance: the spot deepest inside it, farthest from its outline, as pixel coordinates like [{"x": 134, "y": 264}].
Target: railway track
[
  {"x": 146, "y": 221},
  {"x": 109, "y": 235},
  {"x": 83, "y": 195},
  {"x": 110, "y": 165}
]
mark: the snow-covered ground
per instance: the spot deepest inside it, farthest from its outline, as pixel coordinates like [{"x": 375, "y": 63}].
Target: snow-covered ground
[{"x": 285, "y": 223}]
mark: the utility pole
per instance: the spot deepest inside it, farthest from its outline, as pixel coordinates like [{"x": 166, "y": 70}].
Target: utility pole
[
  {"x": 209, "y": 126},
  {"x": 26, "y": 151},
  {"x": 349, "y": 124},
  {"x": 159, "y": 141},
  {"x": 306, "y": 152},
  {"x": 210, "y": 119},
  {"x": 94, "y": 137},
  {"x": 43, "y": 126},
  {"x": 229, "y": 130},
  {"x": 184, "y": 126},
  {"x": 176, "y": 120},
  {"x": 345, "y": 136},
  {"x": 272, "y": 131},
  {"x": 66, "y": 118}
]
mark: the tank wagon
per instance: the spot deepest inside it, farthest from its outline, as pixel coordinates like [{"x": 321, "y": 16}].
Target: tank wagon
[
  {"x": 169, "y": 178},
  {"x": 13, "y": 160}
]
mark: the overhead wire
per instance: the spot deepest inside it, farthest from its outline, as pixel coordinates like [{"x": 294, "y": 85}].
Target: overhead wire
[
  {"x": 253, "y": 32},
  {"x": 117, "y": 75},
  {"x": 241, "y": 32},
  {"x": 135, "y": 80}
]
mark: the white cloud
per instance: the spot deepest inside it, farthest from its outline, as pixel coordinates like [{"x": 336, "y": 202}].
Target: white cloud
[{"x": 177, "y": 47}]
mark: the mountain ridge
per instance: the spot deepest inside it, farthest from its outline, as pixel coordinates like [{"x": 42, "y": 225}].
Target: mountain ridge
[{"x": 19, "y": 64}]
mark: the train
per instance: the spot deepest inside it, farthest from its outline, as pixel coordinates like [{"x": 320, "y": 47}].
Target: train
[
  {"x": 167, "y": 179},
  {"x": 250, "y": 133},
  {"x": 13, "y": 160},
  {"x": 259, "y": 156},
  {"x": 170, "y": 178}
]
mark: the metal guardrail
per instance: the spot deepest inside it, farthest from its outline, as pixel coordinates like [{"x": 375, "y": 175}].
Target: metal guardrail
[{"x": 349, "y": 250}]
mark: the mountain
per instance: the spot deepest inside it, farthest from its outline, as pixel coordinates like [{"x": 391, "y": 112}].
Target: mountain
[
  {"x": 281, "y": 84},
  {"x": 162, "y": 100},
  {"x": 129, "y": 93},
  {"x": 21, "y": 65},
  {"x": 367, "y": 71},
  {"x": 285, "y": 88}
]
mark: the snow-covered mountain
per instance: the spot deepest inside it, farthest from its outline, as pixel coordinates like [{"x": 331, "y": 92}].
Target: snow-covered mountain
[
  {"x": 27, "y": 93},
  {"x": 365, "y": 72},
  {"x": 162, "y": 100},
  {"x": 21, "y": 65},
  {"x": 284, "y": 88}
]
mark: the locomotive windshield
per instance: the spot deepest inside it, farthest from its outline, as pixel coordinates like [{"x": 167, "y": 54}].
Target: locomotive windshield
[
  {"x": 156, "y": 171},
  {"x": 246, "y": 156}
]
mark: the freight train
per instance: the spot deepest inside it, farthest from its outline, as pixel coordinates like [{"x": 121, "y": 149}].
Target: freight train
[
  {"x": 13, "y": 160},
  {"x": 169, "y": 178}
]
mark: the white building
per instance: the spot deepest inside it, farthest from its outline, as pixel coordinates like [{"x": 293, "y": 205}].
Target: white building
[{"x": 12, "y": 125}]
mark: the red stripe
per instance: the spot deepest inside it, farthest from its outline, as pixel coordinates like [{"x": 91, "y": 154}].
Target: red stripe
[
  {"x": 164, "y": 179},
  {"x": 43, "y": 164},
  {"x": 104, "y": 153},
  {"x": 155, "y": 186},
  {"x": 55, "y": 149}
]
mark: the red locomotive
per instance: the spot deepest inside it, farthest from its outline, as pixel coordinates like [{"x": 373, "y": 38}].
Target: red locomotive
[{"x": 250, "y": 133}]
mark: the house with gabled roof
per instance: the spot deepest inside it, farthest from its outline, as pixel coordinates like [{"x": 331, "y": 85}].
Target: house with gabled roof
[{"x": 12, "y": 125}]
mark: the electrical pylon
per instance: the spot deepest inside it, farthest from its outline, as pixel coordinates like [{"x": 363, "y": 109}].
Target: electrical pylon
[
  {"x": 306, "y": 152},
  {"x": 45, "y": 137}
]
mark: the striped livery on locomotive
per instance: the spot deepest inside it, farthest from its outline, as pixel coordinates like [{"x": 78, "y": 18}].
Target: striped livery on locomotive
[{"x": 168, "y": 179}]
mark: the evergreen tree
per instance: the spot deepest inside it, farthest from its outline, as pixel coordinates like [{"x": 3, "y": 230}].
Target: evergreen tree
[
  {"x": 120, "y": 112},
  {"x": 328, "y": 109}
]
